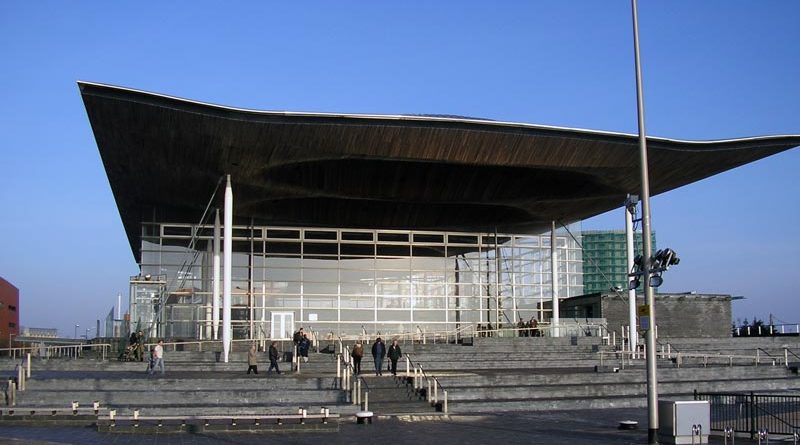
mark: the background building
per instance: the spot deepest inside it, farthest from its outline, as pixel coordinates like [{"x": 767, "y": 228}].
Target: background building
[
  {"x": 605, "y": 258},
  {"x": 9, "y": 313},
  {"x": 679, "y": 315}
]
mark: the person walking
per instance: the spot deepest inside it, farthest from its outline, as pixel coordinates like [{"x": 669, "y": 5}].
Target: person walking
[
  {"x": 378, "y": 353},
  {"x": 273, "y": 358},
  {"x": 158, "y": 358},
  {"x": 357, "y": 354},
  {"x": 303, "y": 346},
  {"x": 252, "y": 360},
  {"x": 394, "y": 354}
]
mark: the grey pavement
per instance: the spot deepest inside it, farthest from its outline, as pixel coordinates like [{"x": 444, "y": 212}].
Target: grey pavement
[{"x": 590, "y": 427}]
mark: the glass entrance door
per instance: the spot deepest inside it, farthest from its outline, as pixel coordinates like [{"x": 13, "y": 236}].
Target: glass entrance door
[{"x": 282, "y": 326}]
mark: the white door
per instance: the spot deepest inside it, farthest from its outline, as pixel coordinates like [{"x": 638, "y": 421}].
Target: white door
[{"x": 282, "y": 326}]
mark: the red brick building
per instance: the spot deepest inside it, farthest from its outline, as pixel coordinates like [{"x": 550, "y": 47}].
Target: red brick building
[{"x": 9, "y": 312}]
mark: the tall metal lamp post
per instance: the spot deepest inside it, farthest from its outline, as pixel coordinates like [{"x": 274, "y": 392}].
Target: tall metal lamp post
[
  {"x": 652, "y": 383},
  {"x": 75, "y": 336}
]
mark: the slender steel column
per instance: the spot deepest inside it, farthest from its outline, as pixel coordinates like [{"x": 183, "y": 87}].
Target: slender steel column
[
  {"x": 652, "y": 383},
  {"x": 215, "y": 286},
  {"x": 555, "y": 332},
  {"x": 226, "y": 273},
  {"x": 633, "y": 338}
]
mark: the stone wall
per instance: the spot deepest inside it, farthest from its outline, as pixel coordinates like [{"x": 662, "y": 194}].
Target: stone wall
[{"x": 677, "y": 315}]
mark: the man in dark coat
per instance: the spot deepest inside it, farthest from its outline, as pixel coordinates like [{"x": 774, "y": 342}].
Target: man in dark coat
[
  {"x": 394, "y": 354},
  {"x": 273, "y": 358},
  {"x": 378, "y": 353}
]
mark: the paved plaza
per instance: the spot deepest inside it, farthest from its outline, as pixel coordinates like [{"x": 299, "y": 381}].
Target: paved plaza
[{"x": 589, "y": 427}]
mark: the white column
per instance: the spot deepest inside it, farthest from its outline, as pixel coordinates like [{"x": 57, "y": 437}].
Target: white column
[
  {"x": 554, "y": 274},
  {"x": 226, "y": 273},
  {"x": 632, "y": 336},
  {"x": 215, "y": 284}
]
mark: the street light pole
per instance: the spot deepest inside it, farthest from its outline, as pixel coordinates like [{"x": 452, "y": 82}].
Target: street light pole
[
  {"x": 76, "y": 331},
  {"x": 652, "y": 383}
]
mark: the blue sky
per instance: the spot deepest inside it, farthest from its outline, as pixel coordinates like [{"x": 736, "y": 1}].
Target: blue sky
[{"x": 713, "y": 69}]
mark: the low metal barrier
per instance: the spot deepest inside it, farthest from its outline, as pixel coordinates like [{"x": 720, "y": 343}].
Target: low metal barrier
[{"x": 753, "y": 414}]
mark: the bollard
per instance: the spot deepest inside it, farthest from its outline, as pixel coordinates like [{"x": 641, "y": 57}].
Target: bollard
[
  {"x": 444, "y": 403},
  {"x": 353, "y": 396},
  {"x": 12, "y": 393},
  {"x": 366, "y": 401},
  {"x": 28, "y": 371},
  {"x": 697, "y": 430},
  {"x": 728, "y": 432},
  {"x": 796, "y": 437},
  {"x": 435, "y": 391},
  {"x": 20, "y": 379},
  {"x": 339, "y": 369},
  {"x": 358, "y": 392},
  {"x": 763, "y": 435},
  {"x": 96, "y": 406},
  {"x": 408, "y": 365}
]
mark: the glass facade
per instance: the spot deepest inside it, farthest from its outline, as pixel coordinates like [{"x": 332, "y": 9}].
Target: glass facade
[{"x": 341, "y": 281}]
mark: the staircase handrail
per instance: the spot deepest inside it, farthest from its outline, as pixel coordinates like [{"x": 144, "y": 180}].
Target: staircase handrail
[
  {"x": 679, "y": 356},
  {"x": 425, "y": 375}
]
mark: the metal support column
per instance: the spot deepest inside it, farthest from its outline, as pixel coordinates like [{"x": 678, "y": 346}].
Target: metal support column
[
  {"x": 227, "y": 269},
  {"x": 554, "y": 276},
  {"x": 652, "y": 383},
  {"x": 215, "y": 284},
  {"x": 633, "y": 337}
]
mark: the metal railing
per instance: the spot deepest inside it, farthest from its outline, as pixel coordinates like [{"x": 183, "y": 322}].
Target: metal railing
[
  {"x": 753, "y": 413},
  {"x": 354, "y": 386},
  {"x": 101, "y": 350},
  {"x": 766, "y": 330},
  {"x": 628, "y": 358},
  {"x": 427, "y": 385}
]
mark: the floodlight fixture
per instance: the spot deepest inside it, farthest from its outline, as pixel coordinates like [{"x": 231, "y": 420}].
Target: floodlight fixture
[{"x": 656, "y": 281}]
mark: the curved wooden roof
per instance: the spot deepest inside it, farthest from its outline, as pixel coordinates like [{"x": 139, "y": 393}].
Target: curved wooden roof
[{"x": 164, "y": 157}]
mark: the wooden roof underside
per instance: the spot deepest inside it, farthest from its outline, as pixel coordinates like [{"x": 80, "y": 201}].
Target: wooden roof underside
[{"x": 164, "y": 157}]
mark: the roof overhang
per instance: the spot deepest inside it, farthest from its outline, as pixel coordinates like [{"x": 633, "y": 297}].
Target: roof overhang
[{"x": 164, "y": 157}]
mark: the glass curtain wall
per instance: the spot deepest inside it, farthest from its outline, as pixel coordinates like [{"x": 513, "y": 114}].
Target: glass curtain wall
[{"x": 347, "y": 281}]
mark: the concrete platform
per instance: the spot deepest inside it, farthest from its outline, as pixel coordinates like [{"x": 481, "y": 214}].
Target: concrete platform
[{"x": 586, "y": 427}]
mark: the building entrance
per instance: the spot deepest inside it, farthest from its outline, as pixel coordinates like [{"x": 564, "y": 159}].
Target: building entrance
[{"x": 282, "y": 325}]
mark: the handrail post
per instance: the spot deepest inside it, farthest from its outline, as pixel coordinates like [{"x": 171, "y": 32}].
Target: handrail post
[
  {"x": 339, "y": 369},
  {"x": 12, "y": 393},
  {"x": 408, "y": 365},
  {"x": 366, "y": 400},
  {"x": 28, "y": 370},
  {"x": 428, "y": 392},
  {"x": 353, "y": 396},
  {"x": 435, "y": 391},
  {"x": 786, "y": 357},
  {"x": 358, "y": 392},
  {"x": 444, "y": 404}
]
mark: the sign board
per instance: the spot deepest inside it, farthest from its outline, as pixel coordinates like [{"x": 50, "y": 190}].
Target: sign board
[
  {"x": 312, "y": 317},
  {"x": 643, "y": 310},
  {"x": 644, "y": 323}
]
